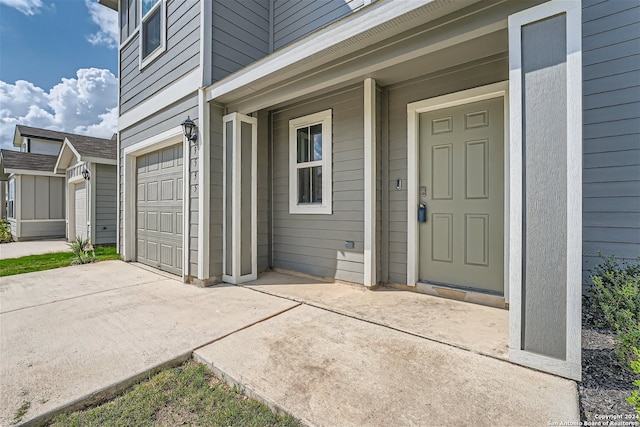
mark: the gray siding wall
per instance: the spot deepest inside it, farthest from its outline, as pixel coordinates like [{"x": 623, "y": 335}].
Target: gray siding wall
[
  {"x": 611, "y": 130},
  {"x": 162, "y": 121},
  {"x": 246, "y": 31},
  {"x": 41, "y": 230},
  {"x": 240, "y": 35},
  {"x": 294, "y": 19},
  {"x": 106, "y": 204},
  {"x": 181, "y": 56},
  {"x": 486, "y": 71},
  {"x": 215, "y": 180},
  {"x": 315, "y": 244},
  {"x": 42, "y": 197},
  {"x": 264, "y": 201}
]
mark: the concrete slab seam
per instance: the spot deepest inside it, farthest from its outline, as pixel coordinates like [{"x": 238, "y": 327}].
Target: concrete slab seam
[
  {"x": 76, "y": 297},
  {"x": 362, "y": 319},
  {"x": 246, "y": 389},
  {"x": 106, "y": 393},
  {"x": 247, "y": 326}
]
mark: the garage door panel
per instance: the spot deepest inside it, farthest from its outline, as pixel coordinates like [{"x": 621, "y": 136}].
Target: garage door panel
[
  {"x": 167, "y": 189},
  {"x": 160, "y": 214},
  {"x": 166, "y": 222}
]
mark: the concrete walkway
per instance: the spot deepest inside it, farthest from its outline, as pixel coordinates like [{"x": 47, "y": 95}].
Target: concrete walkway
[
  {"x": 85, "y": 332},
  {"x": 34, "y": 247}
]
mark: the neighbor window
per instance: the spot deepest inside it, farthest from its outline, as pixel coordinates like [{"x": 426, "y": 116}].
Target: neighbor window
[
  {"x": 310, "y": 164},
  {"x": 152, "y": 32},
  {"x": 128, "y": 18},
  {"x": 11, "y": 199}
]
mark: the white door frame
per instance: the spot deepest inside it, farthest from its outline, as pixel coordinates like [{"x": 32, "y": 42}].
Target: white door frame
[
  {"x": 165, "y": 139},
  {"x": 414, "y": 109}
]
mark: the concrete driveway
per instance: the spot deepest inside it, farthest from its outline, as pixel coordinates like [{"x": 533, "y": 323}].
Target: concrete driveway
[
  {"x": 77, "y": 334},
  {"x": 35, "y": 247}
]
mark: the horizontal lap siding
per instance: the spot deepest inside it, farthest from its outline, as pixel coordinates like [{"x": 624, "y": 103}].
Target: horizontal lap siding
[
  {"x": 478, "y": 73},
  {"x": 611, "y": 131},
  {"x": 294, "y": 19},
  {"x": 315, "y": 244},
  {"x": 215, "y": 181},
  {"x": 240, "y": 35},
  {"x": 105, "y": 204},
  {"x": 180, "y": 58}
]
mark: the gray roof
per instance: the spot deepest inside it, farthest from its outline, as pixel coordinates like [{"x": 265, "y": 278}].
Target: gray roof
[
  {"x": 28, "y": 161},
  {"x": 41, "y": 133},
  {"x": 94, "y": 147}
]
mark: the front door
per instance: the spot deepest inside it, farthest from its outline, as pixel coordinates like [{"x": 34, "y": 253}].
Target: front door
[{"x": 462, "y": 185}]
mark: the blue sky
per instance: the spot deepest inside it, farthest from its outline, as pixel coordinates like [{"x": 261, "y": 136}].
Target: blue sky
[{"x": 58, "y": 66}]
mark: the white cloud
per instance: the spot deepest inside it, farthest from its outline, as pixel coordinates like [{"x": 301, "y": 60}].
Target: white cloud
[
  {"x": 107, "y": 20},
  {"x": 28, "y": 7},
  {"x": 86, "y": 104}
]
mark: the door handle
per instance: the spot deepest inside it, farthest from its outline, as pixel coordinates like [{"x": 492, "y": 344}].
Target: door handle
[{"x": 422, "y": 212}]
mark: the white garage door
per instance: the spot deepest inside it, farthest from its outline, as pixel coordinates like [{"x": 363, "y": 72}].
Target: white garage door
[
  {"x": 81, "y": 209},
  {"x": 159, "y": 209}
]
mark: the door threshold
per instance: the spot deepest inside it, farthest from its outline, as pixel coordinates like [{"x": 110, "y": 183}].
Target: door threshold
[{"x": 463, "y": 293}]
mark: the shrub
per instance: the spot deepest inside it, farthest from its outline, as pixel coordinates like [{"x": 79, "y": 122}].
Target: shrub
[
  {"x": 634, "y": 399},
  {"x": 5, "y": 231},
  {"x": 82, "y": 251},
  {"x": 616, "y": 294}
]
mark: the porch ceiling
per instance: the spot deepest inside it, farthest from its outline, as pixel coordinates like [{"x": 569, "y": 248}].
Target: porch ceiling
[{"x": 432, "y": 44}]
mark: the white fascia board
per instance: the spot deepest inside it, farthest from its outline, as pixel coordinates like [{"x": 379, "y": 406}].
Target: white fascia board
[
  {"x": 31, "y": 172},
  {"x": 100, "y": 160},
  {"x": 341, "y": 31},
  {"x": 176, "y": 91},
  {"x": 66, "y": 145}
]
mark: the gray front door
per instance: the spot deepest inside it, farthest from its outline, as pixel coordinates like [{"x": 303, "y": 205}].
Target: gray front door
[
  {"x": 159, "y": 209},
  {"x": 462, "y": 185}
]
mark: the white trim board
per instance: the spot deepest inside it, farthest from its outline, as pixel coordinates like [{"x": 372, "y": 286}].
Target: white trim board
[
  {"x": 573, "y": 10},
  {"x": 370, "y": 182},
  {"x": 414, "y": 109},
  {"x": 173, "y": 93}
]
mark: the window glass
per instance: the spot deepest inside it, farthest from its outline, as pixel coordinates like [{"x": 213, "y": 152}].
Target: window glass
[
  {"x": 316, "y": 137},
  {"x": 151, "y": 33},
  {"x": 303, "y": 145},
  {"x": 147, "y": 5}
]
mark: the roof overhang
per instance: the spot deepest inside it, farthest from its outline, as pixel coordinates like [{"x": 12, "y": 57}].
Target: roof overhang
[
  {"x": 11, "y": 171},
  {"x": 68, "y": 153},
  {"x": 65, "y": 157},
  {"x": 111, "y": 4},
  {"x": 413, "y": 37}
]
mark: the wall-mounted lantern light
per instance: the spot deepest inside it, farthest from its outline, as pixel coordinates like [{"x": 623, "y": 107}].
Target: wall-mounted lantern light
[
  {"x": 190, "y": 130},
  {"x": 86, "y": 174}
]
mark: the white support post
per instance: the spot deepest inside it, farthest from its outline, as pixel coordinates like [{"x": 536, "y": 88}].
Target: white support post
[
  {"x": 370, "y": 182},
  {"x": 239, "y": 200}
]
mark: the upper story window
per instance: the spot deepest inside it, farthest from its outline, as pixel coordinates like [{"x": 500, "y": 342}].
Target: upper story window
[
  {"x": 310, "y": 175},
  {"x": 129, "y": 18},
  {"x": 152, "y": 30}
]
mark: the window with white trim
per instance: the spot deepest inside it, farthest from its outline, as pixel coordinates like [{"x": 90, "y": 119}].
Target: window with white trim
[
  {"x": 11, "y": 197},
  {"x": 152, "y": 30},
  {"x": 310, "y": 176}
]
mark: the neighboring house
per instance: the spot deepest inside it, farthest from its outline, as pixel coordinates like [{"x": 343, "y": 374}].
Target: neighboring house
[
  {"x": 328, "y": 129},
  {"x": 91, "y": 186},
  {"x": 35, "y": 193},
  {"x": 48, "y": 196}
]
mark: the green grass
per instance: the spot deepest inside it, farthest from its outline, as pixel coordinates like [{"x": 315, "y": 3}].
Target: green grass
[
  {"x": 30, "y": 263},
  {"x": 187, "y": 395}
]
